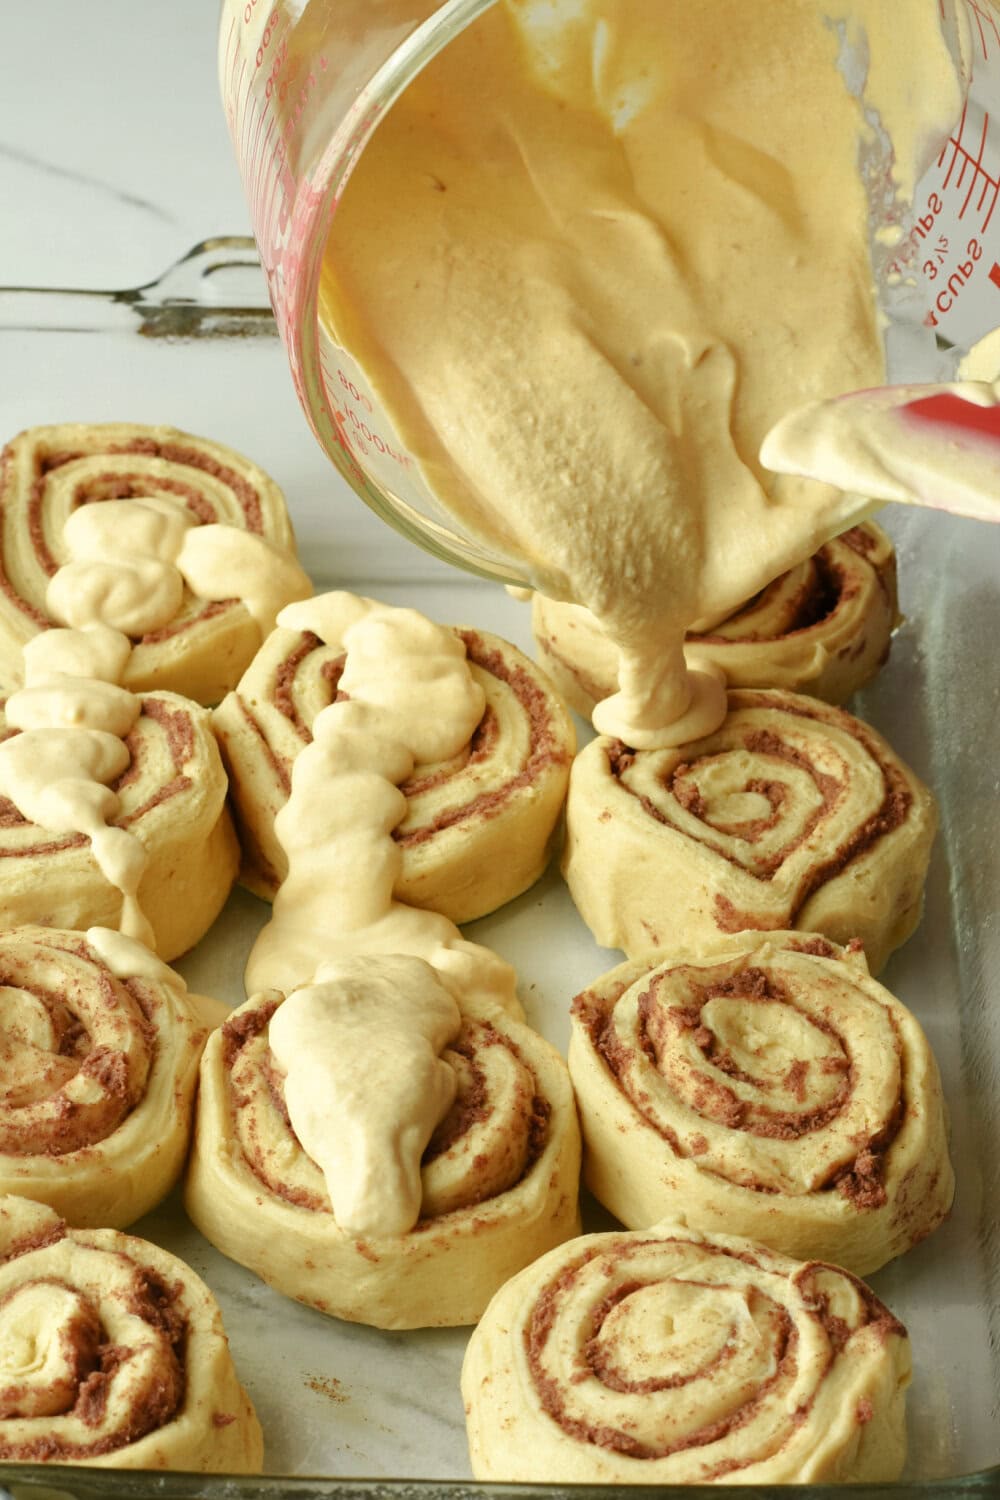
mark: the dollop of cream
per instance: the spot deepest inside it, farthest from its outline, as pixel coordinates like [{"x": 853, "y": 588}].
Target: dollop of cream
[
  {"x": 129, "y": 562},
  {"x": 411, "y": 699},
  {"x": 365, "y": 1084}
]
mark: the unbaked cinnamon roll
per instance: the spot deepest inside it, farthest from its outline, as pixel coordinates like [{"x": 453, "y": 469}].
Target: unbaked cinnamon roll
[
  {"x": 187, "y": 495},
  {"x": 477, "y": 830},
  {"x": 495, "y": 1185},
  {"x": 99, "y": 1051},
  {"x": 666, "y": 1357},
  {"x": 824, "y": 628},
  {"x": 172, "y": 796},
  {"x": 772, "y": 1090},
  {"x": 113, "y": 1354},
  {"x": 793, "y": 814}
]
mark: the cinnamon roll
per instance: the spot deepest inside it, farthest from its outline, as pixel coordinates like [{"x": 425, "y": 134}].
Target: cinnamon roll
[
  {"x": 667, "y": 1357},
  {"x": 495, "y": 1186},
  {"x": 210, "y": 607},
  {"x": 824, "y": 628},
  {"x": 477, "y": 829},
  {"x": 793, "y": 814},
  {"x": 113, "y": 1354},
  {"x": 99, "y": 1051},
  {"x": 772, "y": 1090},
  {"x": 172, "y": 796}
]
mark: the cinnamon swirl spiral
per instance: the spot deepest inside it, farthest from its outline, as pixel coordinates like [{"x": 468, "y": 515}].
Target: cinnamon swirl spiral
[
  {"x": 172, "y": 796},
  {"x": 48, "y": 473},
  {"x": 478, "y": 828},
  {"x": 823, "y": 628},
  {"x": 666, "y": 1357},
  {"x": 113, "y": 1354},
  {"x": 99, "y": 1051},
  {"x": 794, "y": 814},
  {"x": 772, "y": 1090},
  {"x": 499, "y": 1179}
]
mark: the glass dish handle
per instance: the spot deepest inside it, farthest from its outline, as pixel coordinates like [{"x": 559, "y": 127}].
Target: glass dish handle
[{"x": 216, "y": 289}]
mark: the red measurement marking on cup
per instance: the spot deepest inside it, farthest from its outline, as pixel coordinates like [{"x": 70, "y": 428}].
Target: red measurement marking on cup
[
  {"x": 256, "y": 68},
  {"x": 964, "y": 185},
  {"x": 987, "y": 27},
  {"x": 351, "y": 388},
  {"x": 966, "y": 169},
  {"x": 365, "y": 439},
  {"x": 952, "y": 236},
  {"x": 353, "y": 430}
]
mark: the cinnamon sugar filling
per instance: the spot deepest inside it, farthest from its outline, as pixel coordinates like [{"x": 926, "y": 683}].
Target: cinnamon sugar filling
[
  {"x": 97, "y": 1364},
  {"x": 596, "y": 1361},
  {"x": 120, "y": 486},
  {"x": 862, "y": 1180},
  {"x": 553, "y": 1395}
]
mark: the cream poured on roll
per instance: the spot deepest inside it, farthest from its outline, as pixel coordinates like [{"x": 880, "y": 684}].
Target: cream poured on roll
[
  {"x": 185, "y": 542},
  {"x": 495, "y": 1180},
  {"x": 793, "y": 814},
  {"x": 479, "y": 819}
]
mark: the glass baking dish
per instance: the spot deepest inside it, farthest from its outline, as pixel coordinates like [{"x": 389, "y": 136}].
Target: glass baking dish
[{"x": 349, "y": 1411}]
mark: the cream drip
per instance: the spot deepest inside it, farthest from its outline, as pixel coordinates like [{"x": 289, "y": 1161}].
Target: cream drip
[
  {"x": 592, "y": 255},
  {"x": 57, "y": 771},
  {"x": 365, "y": 1084},
  {"x": 127, "y": 959},
  {"x": 412, "y": 698}
]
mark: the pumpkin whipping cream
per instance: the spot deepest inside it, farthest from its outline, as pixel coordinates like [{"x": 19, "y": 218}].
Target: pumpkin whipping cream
[
  {"x": 365, "y": 1084},
  {"x": 593, "y": 254},
  {"x": 375, "y": 1032},
  {"x": 374, "y": 985}
]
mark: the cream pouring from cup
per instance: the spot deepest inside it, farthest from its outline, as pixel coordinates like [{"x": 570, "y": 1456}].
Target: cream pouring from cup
[{"x": 732, "y": 178}]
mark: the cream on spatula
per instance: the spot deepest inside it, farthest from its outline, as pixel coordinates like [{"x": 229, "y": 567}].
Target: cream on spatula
[{"x": 933, "y": 445}]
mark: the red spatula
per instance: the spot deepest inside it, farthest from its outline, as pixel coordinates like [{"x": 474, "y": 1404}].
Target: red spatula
[{"x": 932, "y": 445}]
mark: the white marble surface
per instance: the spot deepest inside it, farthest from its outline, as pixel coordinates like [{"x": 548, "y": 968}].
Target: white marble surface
[{"x": 114, "y": 155}]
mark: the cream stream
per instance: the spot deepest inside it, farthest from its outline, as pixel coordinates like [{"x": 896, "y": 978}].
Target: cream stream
[
  {"x": 375, "y": 985},
  {"x": 593, "y": 254},
  {"x": 73, "y": 718},
  {"x": 411, "y": 699}
]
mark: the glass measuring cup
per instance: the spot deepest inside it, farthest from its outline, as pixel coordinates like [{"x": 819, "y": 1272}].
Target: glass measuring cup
[
  {"x": 306, "y": 84},
  {"x": 304, "y": 87}
]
